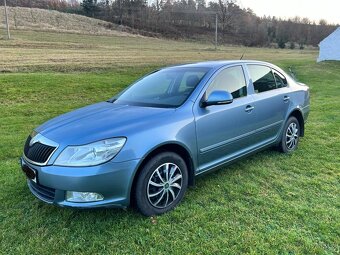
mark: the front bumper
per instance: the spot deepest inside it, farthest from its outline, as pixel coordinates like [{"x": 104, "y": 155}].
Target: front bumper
[{"x": 112, "y": 180}]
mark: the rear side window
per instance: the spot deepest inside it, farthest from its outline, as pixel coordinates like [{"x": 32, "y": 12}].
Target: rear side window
[
  {"x": 262, "y": 77},
  {"x": 230, "y": 79},
  {"x": 281, "y": 81}
]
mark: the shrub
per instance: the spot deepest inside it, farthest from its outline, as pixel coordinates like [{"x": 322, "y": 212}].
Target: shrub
[{"x": 281, "y": 44}]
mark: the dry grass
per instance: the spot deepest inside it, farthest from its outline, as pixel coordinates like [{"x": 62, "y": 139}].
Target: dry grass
[
  {"x": 49, "y": 20},
  {"x": 67, "y": 52},
  {"x": 44, "y": 40}
]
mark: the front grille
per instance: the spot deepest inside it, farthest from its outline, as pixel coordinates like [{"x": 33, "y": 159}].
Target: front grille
[
  {"x": 46, "y": 194},
  {"x": 38, "y": 152}
]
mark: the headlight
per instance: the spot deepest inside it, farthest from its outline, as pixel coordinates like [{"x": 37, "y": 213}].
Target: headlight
[{"x": 90, "y": 154}]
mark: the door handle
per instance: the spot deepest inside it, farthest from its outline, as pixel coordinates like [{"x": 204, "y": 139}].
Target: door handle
[
  {"x": 249, "y": 108},
  {"x": 286, "y": 98}
]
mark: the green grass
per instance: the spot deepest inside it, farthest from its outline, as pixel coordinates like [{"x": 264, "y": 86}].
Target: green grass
[{"x": 270, "y": 203}]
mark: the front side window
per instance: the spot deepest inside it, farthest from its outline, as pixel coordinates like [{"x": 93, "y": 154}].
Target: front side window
[
  {"x": 232, "y": 80},
  {"x": 165, "y": 88},
  {"x": 262, "y": 77}
]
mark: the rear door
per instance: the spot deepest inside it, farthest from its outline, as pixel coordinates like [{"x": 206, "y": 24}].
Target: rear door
[{"x": 271, "y": 101}]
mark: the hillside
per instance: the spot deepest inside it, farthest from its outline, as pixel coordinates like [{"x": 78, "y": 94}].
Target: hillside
[
  {"x": 49, "y": 20},
  {"x": 44, "y": 40}
]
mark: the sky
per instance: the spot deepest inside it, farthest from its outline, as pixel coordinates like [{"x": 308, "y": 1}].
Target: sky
[{"x": 312, "y": 9}]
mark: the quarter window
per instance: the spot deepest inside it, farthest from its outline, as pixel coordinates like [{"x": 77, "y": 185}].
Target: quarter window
[
  {"x": 281, "y": 81},
  {"x": 231, "y": 80},
  {"x": 262, "y": 77}
]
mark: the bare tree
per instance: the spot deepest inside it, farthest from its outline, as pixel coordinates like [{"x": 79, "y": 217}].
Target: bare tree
[{"x": 226, "y": 13}]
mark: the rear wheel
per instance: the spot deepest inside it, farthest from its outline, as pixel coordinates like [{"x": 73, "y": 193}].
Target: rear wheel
[
  {"x": 161, "y": 184},
  {"x": 291, "y": 135}
]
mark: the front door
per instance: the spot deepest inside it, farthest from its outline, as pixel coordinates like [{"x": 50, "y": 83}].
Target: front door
[{"x": 224, "y": 131}]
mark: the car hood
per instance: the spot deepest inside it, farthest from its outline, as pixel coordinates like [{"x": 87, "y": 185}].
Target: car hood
[{"x": 100, "y": 121}]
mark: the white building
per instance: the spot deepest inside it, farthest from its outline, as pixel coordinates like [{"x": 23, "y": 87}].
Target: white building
[{"x": 330, "y": 47}]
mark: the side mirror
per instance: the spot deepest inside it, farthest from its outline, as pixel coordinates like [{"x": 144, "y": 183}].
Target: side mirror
[{"x": 218, "y": 97}]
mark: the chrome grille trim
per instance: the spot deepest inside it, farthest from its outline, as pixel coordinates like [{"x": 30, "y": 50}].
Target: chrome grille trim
[{"x": 38, "y": 138}]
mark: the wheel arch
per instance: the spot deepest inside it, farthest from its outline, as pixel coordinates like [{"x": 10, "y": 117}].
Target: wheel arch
[
  {"x": 168, "y": 147},
  {"x": 299, "y": 116}
]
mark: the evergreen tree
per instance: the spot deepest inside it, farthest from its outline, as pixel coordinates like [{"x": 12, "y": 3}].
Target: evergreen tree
[{"x": 89, "y": 7}]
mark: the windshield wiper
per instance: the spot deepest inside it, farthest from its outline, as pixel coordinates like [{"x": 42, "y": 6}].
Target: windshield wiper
[{"x": 112, "y": 100}]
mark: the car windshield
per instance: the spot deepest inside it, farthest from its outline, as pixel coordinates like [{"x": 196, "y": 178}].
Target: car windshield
[{"x": 164, "y": 88}]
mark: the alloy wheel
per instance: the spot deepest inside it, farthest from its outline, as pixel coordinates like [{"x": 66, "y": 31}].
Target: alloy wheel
[
  {"x": 292, "y": 136},
  {"x": 164, "y": 185}
]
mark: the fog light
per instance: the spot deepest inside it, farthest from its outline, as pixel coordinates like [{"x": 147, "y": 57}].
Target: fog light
[{"x": 82, "y": 197}]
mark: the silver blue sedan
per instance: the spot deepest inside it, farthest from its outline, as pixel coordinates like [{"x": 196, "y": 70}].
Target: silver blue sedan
[{"x": 145, "y": 145}]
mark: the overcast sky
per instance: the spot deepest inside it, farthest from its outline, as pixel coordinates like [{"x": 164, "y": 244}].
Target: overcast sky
[{"x": 312, "y": 9}]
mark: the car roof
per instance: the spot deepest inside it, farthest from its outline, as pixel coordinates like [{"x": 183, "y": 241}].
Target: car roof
[{"x": 220, "y": 63}]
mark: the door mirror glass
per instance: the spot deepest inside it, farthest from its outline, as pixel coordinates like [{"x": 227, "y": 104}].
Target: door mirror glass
[{"x": 218, "y": 97}]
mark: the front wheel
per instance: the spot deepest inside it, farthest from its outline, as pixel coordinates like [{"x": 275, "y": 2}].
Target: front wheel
[
  {"x": 290, "y": 136},
  {"x": 161, "y": 184}
]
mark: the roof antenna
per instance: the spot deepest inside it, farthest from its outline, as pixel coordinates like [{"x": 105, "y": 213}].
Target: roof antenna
[{"x": 243, "y": 54}]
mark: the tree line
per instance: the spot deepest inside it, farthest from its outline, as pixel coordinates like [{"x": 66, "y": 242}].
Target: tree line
[{"x": 195, "y": 20}]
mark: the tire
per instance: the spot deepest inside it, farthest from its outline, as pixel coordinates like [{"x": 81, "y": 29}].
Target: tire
[
  {"x": 161, "y": 184},
  {"x": 290, "y": 136}
]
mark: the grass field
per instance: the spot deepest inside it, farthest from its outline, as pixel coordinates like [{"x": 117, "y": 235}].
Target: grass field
[
  {"x": 37, "y": 51},
  {"x": 270, "y": 203}
]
